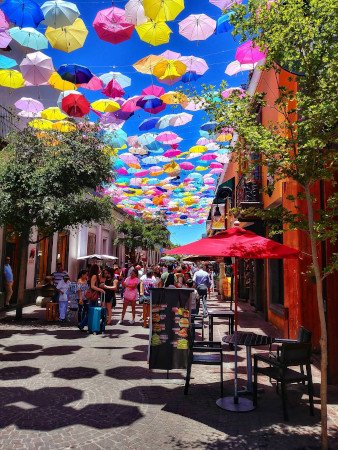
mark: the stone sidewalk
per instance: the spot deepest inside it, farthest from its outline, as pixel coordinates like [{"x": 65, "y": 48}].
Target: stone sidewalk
[{"x": 63, "y": 389}]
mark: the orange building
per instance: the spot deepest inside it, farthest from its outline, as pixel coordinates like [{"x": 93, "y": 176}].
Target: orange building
[{"x": 279, "y": 289}]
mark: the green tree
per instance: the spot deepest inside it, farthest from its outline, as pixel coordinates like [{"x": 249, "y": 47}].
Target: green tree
[
  {"x": 50, "y": 182},
  {"x": 147, "y": 234},
  {"x": 300, "y": 36}
]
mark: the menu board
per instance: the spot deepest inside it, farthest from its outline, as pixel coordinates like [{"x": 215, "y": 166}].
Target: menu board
[{"x": 169, "y": 328}]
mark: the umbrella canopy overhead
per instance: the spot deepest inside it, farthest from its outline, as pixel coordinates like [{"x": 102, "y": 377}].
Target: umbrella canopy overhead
[
  {"x": 112, "y": 26},
  {"x": 197, "y": 27},
  {"x": 163, "y": 10},
  {"x": 237, "y": 242},
  {"x": 134, "y": 11},
  {"x": 37, "y": 68},
  {"x": 12, "y": 79},
  {"x": 74, "y": 73},
  {"x": 75, "y": 105},
  {"x": 69, "y": 38},
  {"x": 29, "y": 37},
  {"x": 154, "y": 33},
  {"x": 23, "y": 13},
  {"x": 248, "y": 54},
  {"x": 59, "y": 13},
  {"x": 7, "y": 63},
  {"x": 29, "y": 105}
]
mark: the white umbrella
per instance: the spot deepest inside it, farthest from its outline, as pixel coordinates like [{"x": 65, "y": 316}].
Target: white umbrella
[
  {"x": 99, "y": 257},
  {"x": 36, "y": 68},
  {"x": 135, "y": 12},
  {"x": 235, "y": 67}
]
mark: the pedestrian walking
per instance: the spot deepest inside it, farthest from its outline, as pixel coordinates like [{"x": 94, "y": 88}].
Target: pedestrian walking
[
  {"x": 93, "y": 292},
  {"x": 57, "y": 277},
  {"x": 110, "y": 285},
  {"x": 168, "y": 278},
  {"x": 9, "y": 280},
  {"x": 202, "y": 283},
  {"x": 130, "y": 295},
  {"x": 63, "y": 287},
  {"x": 82, "y": 288},
  {"x": 146, "y": 284}
]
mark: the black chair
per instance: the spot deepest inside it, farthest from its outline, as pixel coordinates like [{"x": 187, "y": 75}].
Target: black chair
[
  {"x": 197, "y": 323},
  {"x": 291, "y": 355},
  {"x": 205, "y": 353}
]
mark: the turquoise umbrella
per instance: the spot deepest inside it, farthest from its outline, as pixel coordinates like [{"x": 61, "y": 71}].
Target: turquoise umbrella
[
  {"x": 7, "y": 63},
  {"x": 59, "y": 13},
  {"x": 29, "y": 37},
  {"x": 115, "y": 138}
]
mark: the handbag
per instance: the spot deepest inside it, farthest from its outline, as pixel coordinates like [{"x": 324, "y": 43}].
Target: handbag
[{"x": 91, "y": 295}]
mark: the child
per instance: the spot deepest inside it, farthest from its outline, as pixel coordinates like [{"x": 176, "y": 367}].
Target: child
[
  {"x": 194, "y": 298},
  {"x": 62, "y": 287}
]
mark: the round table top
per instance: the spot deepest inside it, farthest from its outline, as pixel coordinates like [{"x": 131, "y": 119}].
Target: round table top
[{"x": 247, "y": 338}]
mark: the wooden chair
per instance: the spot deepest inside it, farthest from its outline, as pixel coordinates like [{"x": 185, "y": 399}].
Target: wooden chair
[
  {"x": 205, "y": 353},
  {"x": 291, "y": 355},
  {"x": 52, "y": 311}
]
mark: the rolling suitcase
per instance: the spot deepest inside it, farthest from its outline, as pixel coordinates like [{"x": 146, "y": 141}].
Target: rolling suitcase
[{"x": 97, "y": 318}]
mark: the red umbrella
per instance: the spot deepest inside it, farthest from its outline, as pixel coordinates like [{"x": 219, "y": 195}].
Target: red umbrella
[
  {"x": 111, "y": 25},
  {"x": 113, "y": 89},
  {"x": 239, "y": 243},
  {"x": 75, "y": 105}
]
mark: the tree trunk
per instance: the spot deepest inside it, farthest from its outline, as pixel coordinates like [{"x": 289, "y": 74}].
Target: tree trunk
[
  {"x": 24, "y": 242},
  {"x": 322, "y": 320}
]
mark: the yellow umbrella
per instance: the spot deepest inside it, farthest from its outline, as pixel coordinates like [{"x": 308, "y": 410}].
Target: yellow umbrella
[
  {"x": 172, "y": 168},
  {"x": 147, "y": 64},
  {"x": 224, "y": 137},
  {"x": 105, "y": 105},
  {"x": 169, "y": 69},
  {"x": 58, "y": 83},
  {"x": 163, "y": 10},
  {"x": 11, "y": 78},
  {"x": 173, "y": 98},
  {"x": 198, "y": 149},
  {"x": 67, "y": 38},
  {"x": 201, "y": 168},
  {"x": 53, "y": 113},
  {"x": 154, "y": 33},
  {"x": 41, "y": 124},
  {"x": 64, "y": 126}
]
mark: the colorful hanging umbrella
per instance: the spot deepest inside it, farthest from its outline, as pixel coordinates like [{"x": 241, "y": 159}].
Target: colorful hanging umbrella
[
  {"x": 105, "y": 105},
  {"x": 112, "y": 26},
  {"x": 168, "y": 137},
  {"x": 197, "y": 27},
  {"x": 41, "y": 124},
  {"x": 29, "y": 105},
  {"x": 189, "y": 77},
  {"x": 223, "y": 23},
  {"x": 37, "y": 68},
  {"x": 75, "y": 105},
  {"x": 235, "y": 67},
  {"x": 64, "y": 126},
  {"x": 207, "y": 126},
  {"x": 225, "y": 4},
  {"x": 64, "y": 94},
  {"x": 12, "y": 79},
  {"x": 248, "y": 54},
  {"x": 193, "y": 105},
  {"x": 53, "y": 113},
  {"x": 172, "y": 153},
  {"x": 23, "y": 13},
  {"x": 180, "y": 119},
  {"x": 123, "y": 80},
  {"x": 7, "y": 63},
  {"x": 94, "y": 84},
  {"x": 163, "y": 10},
  {"x": 4, "y": 24},
  {"x": 29, "y": 37},
  {"x": 5, "y": 39},
  {"x": 174, "y": 98},
  {"x": 59, "y": 13},
  {"x": 58, "y": 83},
  {"x": 229, "y": 91},
  {"x": 169, "y": 69},
  {"x": 156, "y": 109},
  {"x": 146, "y": 65},
  {"x": 149, "y": 102},
  {"x": 115, "y": 138},
  {"x": 148, "y": 124},
  {"x": 157, "y": 91},
  {"x": 154, "y": 33},
  {"x": 69, "y": 38},
  {"x": 28, "y": 115},
  {"x": 164, "y": 121},
  {"x": 130, "y": 105},
  {"x": 195, "y": 64},
  {"x": 135, "y": 12},
  {"x": 113, "y": 89},
  {"x": 74, "y": 73}
]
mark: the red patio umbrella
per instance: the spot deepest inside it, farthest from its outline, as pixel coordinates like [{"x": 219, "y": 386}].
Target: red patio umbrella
[
  {"x": 238, "y": 243},
  {"x": 75, "y": 105}
]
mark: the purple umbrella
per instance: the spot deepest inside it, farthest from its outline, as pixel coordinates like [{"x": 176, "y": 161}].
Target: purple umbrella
[
  {"x": 5, "y": 39},
  {"x": 36, "y": 68}
]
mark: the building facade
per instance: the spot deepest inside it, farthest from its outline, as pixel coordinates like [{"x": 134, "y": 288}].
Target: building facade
[{"x": 279, "y": 289}]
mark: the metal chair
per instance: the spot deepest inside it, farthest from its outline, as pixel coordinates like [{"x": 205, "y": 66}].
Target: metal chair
[
  {"x": 205, "y": 353},
  {"x": 197, "y": 326},
  {"x": 291, "y": 355}
]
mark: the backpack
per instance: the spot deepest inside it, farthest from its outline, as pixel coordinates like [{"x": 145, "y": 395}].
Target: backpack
[{"x": 170, "y": 280}]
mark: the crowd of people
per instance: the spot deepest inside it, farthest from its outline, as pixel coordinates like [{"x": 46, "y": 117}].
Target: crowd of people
[{"x": 132, "y": 284}]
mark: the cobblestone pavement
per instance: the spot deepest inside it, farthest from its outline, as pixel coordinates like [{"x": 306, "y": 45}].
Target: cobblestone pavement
[{"x": 63, "y": 389}]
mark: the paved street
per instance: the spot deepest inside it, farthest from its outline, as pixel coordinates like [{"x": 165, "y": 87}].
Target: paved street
[{"x": 61, "y": 389}]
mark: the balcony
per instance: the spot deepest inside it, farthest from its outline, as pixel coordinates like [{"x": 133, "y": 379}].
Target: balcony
[{"x": 248, "y": 194}]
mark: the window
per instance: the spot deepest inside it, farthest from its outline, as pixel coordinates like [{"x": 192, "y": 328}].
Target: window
[
  {"x": 276, "y": 278},
  {"x": 62, "y": 249},
  {"x": 91, "y": 243}
]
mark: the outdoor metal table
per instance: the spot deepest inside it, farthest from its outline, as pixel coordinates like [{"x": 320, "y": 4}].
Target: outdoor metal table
[
  {"x": 227, "y": 313},
  {"x": 249, "y": 340}
]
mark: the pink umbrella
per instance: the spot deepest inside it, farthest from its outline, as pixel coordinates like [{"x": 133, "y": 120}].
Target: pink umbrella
[
  {"x": 169, "y": 54},
  {"x": 208, "y": 157},
  {"x": 111, "y": 25},
  {"x": 195, "y": 64},
  {"x": 193, "y": 105},
  {"x": 157, "y": 91},
  {"x": 197, "y": 27},
  {"x": 180, "y": 119},
  {"x": 186, "y": 166},
  {"x": 203, "y": 141},
  {"x": 227, "y": 92},
  {"x": 122, "y": 171},
  {"x": 225, "y": 4},
  {"x": 168, "y": 137},
  {"x": 248, "y": 54},
  {"x": 133, "y": 141},
  {"x": 216, "y": 165},
  {"x": 128, "y": 158},
  {"x": 235, "y": 67},
  {"x": 216, "y": 171},
  {"x": 5, "y": 39},
  {"x": 223, "y": 159},
  {"x": 131, "y": 104},
  {"x": 94, "y": 84},
  {"x": 172, "y": 153},
  {"x": 36, "y": 68},
  {"x": 29, "y": 105},
  {"x": 4, "y": 25},
  {"x": 113, "y": 89},
  {"x": 209, "y": 181},
  {"x": 141, "y": 173}
]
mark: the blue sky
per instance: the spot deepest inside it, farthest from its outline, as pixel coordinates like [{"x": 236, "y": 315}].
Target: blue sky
[{"x": 103, "y": 57}]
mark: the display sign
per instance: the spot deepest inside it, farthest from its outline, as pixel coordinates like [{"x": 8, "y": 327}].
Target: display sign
[{"x": 169, "y": 328}]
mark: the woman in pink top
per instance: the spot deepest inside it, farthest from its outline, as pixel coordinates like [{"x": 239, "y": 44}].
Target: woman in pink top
[{"x": 130, "y": 295}]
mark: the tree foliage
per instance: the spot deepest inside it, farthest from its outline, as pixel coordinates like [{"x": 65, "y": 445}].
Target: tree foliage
[{"x": 50, "y": 181}]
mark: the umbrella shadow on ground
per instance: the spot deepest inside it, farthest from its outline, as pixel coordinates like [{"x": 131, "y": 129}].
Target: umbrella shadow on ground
[
  {"x": 46, "y": 410},
  {"x": 18, "y": 373},
  {"x": 141, "y": 336},
  {"x": 260, "y": 428},
  {"x": 128, "y": 373},
  {"x": 61, "y": 350},
  {"x": 75, "y": 373}
]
